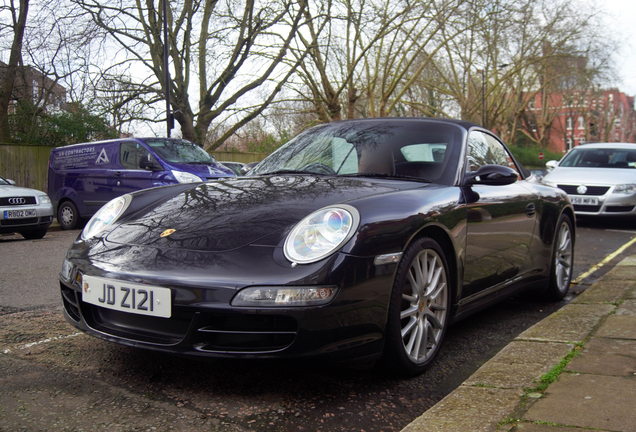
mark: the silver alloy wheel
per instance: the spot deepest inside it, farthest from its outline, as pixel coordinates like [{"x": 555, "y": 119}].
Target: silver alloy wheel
[
  {"x": 563, "y": 257},
  {"x": 423, "y": 312}
]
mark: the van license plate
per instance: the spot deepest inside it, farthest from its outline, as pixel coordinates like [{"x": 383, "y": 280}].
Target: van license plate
[
  {"x": 584, "y": 200},
  {"x": 19, "y": 214},
  {"x": 127, "y": 297}
]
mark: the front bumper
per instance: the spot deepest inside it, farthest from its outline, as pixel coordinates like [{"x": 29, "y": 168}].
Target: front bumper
[
  {"x": 600, "y": 200},
  {"x": 42, "y": 219},
  {"x": 203, "y": 323}
]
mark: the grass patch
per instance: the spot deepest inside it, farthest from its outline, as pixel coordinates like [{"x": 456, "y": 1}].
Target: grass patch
[{"x": 553, "y": 374}]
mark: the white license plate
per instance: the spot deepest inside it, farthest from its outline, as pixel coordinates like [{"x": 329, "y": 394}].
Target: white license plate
[
  {"x": 127, "y": 297},
  {"x": 19, "y": 214},
  {"x": 584, "y": 200}
]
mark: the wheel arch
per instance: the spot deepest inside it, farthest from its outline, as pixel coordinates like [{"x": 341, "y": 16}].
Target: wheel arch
[{"x": 444, "y": 240}]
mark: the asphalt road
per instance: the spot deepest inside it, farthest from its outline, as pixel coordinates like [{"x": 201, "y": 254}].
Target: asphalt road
[{"x": 50, "y": 374}]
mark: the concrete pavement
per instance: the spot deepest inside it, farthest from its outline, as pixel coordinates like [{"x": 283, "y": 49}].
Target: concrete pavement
[{"x": 573, "y": 371}]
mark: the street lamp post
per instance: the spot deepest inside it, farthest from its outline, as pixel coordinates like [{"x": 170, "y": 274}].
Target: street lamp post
[{"x": 169, "y": 118}]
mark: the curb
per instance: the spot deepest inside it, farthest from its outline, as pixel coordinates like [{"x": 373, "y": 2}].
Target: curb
[{"x": 500, "y": 389}]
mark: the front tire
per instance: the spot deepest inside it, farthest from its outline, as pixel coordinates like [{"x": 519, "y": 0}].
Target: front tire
[
  {"x": 68, "y": 216},
  {"x": 562, "y": 260},
  {"x": 419, "y": 309},
  {"x": 34, "y": 234}
]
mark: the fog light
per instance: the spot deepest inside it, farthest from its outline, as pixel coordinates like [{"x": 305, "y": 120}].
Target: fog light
[{"x": 284, "y": 296}]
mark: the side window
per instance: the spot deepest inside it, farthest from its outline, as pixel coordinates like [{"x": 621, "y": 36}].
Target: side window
[
  {"x": 484, "y": 149},
  {"x": 130, "y": 153}
]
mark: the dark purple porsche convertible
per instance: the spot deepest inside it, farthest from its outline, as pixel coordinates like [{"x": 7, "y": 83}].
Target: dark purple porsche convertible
[{"x": 360, "y": 239}]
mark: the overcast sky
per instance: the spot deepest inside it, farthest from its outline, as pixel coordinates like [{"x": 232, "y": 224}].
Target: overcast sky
[{"x": 624, "y": 22}]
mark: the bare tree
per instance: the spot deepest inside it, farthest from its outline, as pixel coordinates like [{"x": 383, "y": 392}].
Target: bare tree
[
  {"x": 16, "y": 23},
  {"x": 231, "y": 51}
]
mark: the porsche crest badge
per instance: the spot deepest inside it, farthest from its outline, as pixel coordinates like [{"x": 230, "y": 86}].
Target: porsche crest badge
[{"x": 167, "y": 232}]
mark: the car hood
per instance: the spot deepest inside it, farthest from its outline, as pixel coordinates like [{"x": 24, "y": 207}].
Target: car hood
[
  {"x": 15, "y": 191},
  {"x": 591, "y": 176},
  {"x": 204, "y": 170},
  {"x": 228, "y": 214}
]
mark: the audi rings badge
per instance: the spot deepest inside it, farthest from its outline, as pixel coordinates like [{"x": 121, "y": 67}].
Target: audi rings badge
[{"x": 17, "y": 201}]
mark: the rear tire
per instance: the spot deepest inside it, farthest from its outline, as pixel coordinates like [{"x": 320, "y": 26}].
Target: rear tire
[
  {"x": 419, "y": 310},
  {"x": 562, "y": 260},
  {"x": 67, "y": 215}
]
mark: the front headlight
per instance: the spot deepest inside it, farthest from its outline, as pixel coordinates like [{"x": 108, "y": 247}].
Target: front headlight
[
  {"x": 625, "y": 188},
  {"x": 106, "y": 216},
  {"x": 284, "y": 296},
  {"x": 321, "y": 233},
  {"x": 43, "y": 199},
  {"x": 184, "y": 177}
]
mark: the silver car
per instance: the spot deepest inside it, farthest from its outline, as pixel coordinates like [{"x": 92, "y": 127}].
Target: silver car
[
  {"x": 25, "y": 211},
  {"x": 600, "y": 179}
]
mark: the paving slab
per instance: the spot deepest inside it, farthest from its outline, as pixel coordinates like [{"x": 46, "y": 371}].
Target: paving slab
[
  {"x": 519, "y": 364},
  {"x": 533, "y": 427},
  {"x": 473, "y": 409},
  {"x": 621, "y": 327},
  {"x": 588, "y": 401},
  {"x": 606, "y": 357},
  {"x": 632, "y": 294},
  {"x": 628, "y": 307},
  {"x": 629, "y": 261},
  {"x": 623, "y": 273},
  {"x": 573, "y": 323},
  {"x": 605, "y": 292}
]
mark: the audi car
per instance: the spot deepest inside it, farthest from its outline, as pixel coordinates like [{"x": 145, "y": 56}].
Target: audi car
[
  {"x": 25, "y": 211},
  {"x": 360, "y": 239},
  {"x": 600, "y": 179}
]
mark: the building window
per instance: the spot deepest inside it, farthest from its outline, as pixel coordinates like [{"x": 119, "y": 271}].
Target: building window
[
  {"x": 581, "y": 123},
  {"x": 568, "y": 143},
  {"x": 568, "y": 123},
  {"x": 36, "y": 92}
]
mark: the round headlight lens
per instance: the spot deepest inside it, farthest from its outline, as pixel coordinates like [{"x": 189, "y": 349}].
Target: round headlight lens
[
  {"x": 106, "y": 216},
  {"x": 321, "y": 233}
]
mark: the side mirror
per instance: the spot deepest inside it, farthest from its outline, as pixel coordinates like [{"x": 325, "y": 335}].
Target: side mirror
[
  {"x": 11, "y": 182},
  {"x": 147, "y": 162},
  {"x": 550, "y": 165},
  {"x": 492, "y": 175}
]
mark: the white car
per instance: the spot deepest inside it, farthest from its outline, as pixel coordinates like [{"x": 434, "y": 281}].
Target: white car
[
  {"x": 600, "y": 179},
  {"x": 25, "y": 211}
]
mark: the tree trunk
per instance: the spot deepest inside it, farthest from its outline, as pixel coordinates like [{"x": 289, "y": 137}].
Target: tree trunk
[{"x": 6, "y": 90}]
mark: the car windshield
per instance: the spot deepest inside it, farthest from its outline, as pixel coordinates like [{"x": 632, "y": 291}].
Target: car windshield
[
  {"x": 178, "y": 150},
  {"x": 600, "y": 158},
  {"x": 405, "y": 149}
]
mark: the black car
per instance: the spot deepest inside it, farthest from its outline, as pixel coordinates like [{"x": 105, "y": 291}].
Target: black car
[{"x": 358, "y": 239}]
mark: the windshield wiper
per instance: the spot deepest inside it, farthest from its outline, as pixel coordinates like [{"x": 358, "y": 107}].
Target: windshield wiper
[
  {"x": 289, "y": 171},
  {"x": 389, "y": 176}
]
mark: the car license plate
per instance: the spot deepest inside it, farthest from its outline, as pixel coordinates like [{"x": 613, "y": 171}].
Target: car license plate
[
  {"x": 127, "y": 297},
  {"x": 19, "y": 214},
  {"x": 584, "y": 200}
]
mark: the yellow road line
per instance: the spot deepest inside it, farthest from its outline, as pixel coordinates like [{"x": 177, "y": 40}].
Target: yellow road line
[{"x": 605, "y": 261}]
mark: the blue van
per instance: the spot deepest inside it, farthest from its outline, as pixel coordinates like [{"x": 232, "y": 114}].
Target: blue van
[{"x": 84, "y": 177}]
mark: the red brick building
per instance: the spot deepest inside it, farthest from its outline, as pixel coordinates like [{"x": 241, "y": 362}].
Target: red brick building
[
  {"x": 580, "y": 117},
  {"x": 35, "y": 87}
]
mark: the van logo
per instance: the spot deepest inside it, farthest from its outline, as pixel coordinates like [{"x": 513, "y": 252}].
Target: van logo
[
  {"x": 167, "y": 232},
  {"x": 211, "y": 171},
  {"x": 102, "y": 158}
]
